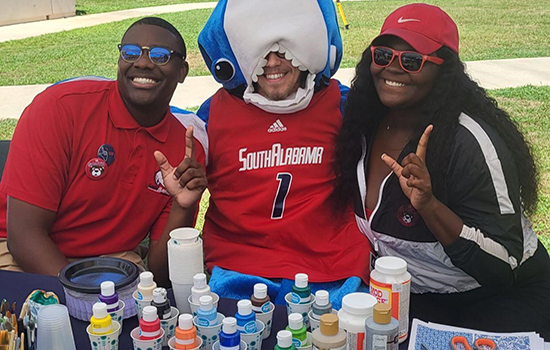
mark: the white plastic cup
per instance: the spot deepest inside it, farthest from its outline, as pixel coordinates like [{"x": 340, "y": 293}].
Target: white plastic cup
[
  {"x": 254, "y": 340},
  {"x": 153, "y": 344},
  {"x": 172, "y": 344},
  {"x": 210, "y": 334},
  {"x": 169, "y": 325},
  {"x": 118, "y": 315},
  {"x": 302, "y": 309},
  {"x": 181, "y": 294},
  {"x": 195, "y": 306},
  {"x": 54, "y": 328},
  {"x": 105, "y": 341},
  {"x": 266, "y": 317},
  {"x": 309, "y": 341},
  {"x": 242, "y": 346},
  {"x": 140, "y": 304}
]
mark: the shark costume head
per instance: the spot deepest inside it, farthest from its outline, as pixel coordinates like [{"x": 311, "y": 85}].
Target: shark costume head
[{"x": 241, "y": 33}]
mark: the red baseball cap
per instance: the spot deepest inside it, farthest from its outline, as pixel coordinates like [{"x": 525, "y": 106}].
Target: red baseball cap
[{"x": 425, "y": 27}]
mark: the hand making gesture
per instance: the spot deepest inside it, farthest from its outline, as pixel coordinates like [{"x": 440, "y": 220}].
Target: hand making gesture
[
  {"x": 413, "y": 174},
  {"x": 187, "y": 182}
]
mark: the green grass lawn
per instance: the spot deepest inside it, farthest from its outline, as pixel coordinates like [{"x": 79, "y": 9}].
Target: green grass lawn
[
  {"x": 489, "y": 29},
  {"x": 87, "y": 7}
]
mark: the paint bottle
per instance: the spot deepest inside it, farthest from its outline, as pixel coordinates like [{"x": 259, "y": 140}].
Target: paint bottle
[
  {"x": 161, "y": 302},
  {"x": 260, "y": 299},
  {"x": 356, "y": 308},
  {"x": 109, "y": 296},
  {"x": 101, "y": 322},
  {"x": 301, "y": 292},
  {"x": 149, "y": 325},
  {"x": 284, "y": 341},
  {"x": 207, "y": 315},
  {"x": 382, "y": 330},
  {"x": 199, "y": 288},
  {"x": 390, "y": 283},
  {"x": 321, "y": 305},
  {"x": 246, "y": 319},
  {"x": 230, "y": 339},
  {"x": 186, "y": 333},
  {"x": 146, "y": 286},
  {"x": 329, "y": 335},
  {"x": 298, "y": 329}
]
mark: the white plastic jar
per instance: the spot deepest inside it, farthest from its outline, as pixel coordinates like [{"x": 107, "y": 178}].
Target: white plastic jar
[
  {"x": 390, "y": 283},
  {"x": 356, "y": 308}
]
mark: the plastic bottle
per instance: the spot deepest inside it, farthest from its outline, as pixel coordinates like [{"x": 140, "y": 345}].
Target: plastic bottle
[
  {"x": 161, "y": 302},
  {"x": 284, "y": 341},
  {"x": 356, "y": 307},
  {"x": 298, "y": 329},
  {"x": 101, "y": 322},
  {"x": 149, "y": 325},
  {"x": 329, "y": 335},
  {"x": 390, "y": 283},
  {"x": 230, "y": 339},
  {"x": 301, "y": 292},
  {"x": 321, "y": 305},
  {"x": 146, "y": 286},
  {"x": 207, "y": 315},
  {"x": 382, "y": 330},
  {"x": 186, "y": 333},
  {"x": 246, "y": 319},
  {"x": 260, "y": 299},
  {"x": 199, "y": 288},
  {"x": 109, "y": 296}
]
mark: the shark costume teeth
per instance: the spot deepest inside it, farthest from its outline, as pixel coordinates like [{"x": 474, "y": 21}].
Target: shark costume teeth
[{"x": 240, "y": 34}]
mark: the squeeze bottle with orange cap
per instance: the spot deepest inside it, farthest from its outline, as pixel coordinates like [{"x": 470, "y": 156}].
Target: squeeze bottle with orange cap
[
  {"x": 186, "y": 333},
  {"x": 382, "y": 330},
  {"x": 146, "y": 286},
  {"x": 101, "y": 322},
  {"x": 329, "y": 335},
  {"x": 284, "y": 341}
]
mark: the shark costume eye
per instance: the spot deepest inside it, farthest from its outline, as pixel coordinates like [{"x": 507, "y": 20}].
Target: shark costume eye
[{"x": 224, "y": 70}]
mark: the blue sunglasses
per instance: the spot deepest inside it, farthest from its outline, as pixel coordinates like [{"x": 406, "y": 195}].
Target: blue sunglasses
[{"x": 158, "y": 55}]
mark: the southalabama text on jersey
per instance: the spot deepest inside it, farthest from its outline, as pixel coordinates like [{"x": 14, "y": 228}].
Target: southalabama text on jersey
[{"x": 279, "y": 156}]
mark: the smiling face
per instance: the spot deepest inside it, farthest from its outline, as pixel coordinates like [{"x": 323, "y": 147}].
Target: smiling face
[
  {"x": 280, "y": 78},
  {"x": 397, "y": 88},
  {"x": 146, "y": 88}
]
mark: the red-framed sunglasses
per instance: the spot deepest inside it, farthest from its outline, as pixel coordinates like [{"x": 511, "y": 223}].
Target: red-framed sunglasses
[{"x": 410, "y": 61}]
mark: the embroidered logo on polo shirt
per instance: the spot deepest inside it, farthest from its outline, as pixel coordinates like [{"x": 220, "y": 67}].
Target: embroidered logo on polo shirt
[
  {"x": 159, "y": 184},
  {"x": 407, "y": 215},
  {"x": 96, "y": 168}
]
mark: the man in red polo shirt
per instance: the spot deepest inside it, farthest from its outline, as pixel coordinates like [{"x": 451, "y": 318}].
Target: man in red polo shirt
[{"x": 81, "y": 177}]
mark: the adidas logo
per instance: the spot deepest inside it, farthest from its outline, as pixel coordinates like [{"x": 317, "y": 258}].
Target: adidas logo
[{"x": 277, "y": 127}]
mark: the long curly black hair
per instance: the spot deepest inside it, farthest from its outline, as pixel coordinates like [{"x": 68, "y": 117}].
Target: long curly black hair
[{"x": 454, "y": 92}]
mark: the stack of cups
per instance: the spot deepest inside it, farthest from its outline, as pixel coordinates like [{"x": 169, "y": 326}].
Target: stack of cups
[{"x": 54, "y": 328}]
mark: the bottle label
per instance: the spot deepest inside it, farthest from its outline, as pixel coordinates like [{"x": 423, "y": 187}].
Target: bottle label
[
  {"x": 396, "y": 294},
  {"x": 382, "y": 342},
  {"x": 338, "y": 348},
  {"x": 296, "y": 299},
  {"x": 149, "y": 335},
  {"x": 101, "y": 330},
  {"x": 266, "y": 307},
  {"x": 249, "y": 327},
  {"x": 355, "y": 341},
  {"x": 204, "y": 322},
  {"x": 229, "y": 347}
]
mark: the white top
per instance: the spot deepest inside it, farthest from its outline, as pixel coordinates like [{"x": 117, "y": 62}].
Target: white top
[
  {"x": 321, "y": 297},
  {"x": 185, "y": 322},
  {"x": 206, "y": 302},
  {"x": 295, "y": 321},
  {"x": 300, "y": 280},
  {"x": 391, "y": 265},
  {"x": 107, "y": 288},
  {"x": 100, "y": 310},
  {"x": 284, "y": 339},
  {"x": 260, "y": 290},
  {"x": 244, "y": 307},
  {"x": 199, "y": 281},
  {"x": 146, "y": 278},
  {"x": 229, "y": 325},
  {"x": 149, "y": 313},
  {"x": 358, "y": 303},
  {"x": 159, "y": 295}
]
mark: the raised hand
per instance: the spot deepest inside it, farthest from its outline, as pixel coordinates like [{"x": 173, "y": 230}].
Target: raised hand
[
  {"x": 187, "y": 181},
  {"x": 413, "y": 174}
]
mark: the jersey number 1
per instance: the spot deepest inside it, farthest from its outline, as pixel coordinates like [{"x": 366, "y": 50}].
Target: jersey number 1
[{"x": 285, "y": 179}]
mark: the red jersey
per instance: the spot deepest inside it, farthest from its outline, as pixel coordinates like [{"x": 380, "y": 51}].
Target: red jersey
[
  {"x": 77, "y": 151},
  {"x": 270, "y": 178}
]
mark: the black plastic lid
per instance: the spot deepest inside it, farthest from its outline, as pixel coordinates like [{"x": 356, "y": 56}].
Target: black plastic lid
[{"x": 86, "y": 275}]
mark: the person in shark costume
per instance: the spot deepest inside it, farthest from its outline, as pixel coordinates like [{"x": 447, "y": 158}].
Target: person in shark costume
[{"x": 271, "y": 137}]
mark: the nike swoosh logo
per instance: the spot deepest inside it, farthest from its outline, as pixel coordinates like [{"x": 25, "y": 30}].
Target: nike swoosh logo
[{"x": 404, "y": 20}]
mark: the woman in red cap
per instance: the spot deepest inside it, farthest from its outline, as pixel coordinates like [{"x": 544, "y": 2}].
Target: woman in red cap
[{"x": 441, "y": 178}]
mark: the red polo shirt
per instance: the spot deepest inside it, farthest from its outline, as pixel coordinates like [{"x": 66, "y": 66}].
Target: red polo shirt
[{"x": 55, "y": 162}]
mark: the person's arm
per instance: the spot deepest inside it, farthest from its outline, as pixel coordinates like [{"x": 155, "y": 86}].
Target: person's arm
[
  {"x": 185, "y": 183},
  {"x": 28, "y": 239}
]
